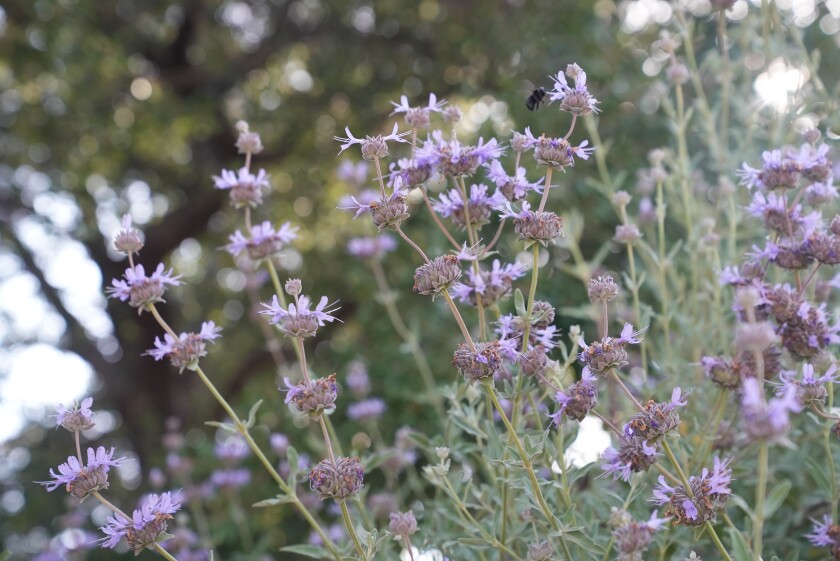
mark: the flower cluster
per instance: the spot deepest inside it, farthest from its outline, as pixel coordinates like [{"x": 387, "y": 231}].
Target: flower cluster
[
  {"x": 147, "y": 525},
  {"x": 263, "y": 241},
  {"x": 700, "y": 503},
  {"x": 82, "y": 479},
  {"x": 185, "y": 350},
  {"x": 297, "y": 319},
  {"x": 609, "y": 353},
  {"x": 491, "y": 285},
  {"x": 143, "y": 291}
]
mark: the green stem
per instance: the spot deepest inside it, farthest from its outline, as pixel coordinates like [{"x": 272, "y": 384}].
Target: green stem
[
  {"x": 718, "y": 543},
  {"x": 163, "y": 553},
  {"x": 760, "y": 495},
  {"x": 349, "y": 523},
  {"x": 473, "y": 239},
  {"x": 830, "y": 456}
]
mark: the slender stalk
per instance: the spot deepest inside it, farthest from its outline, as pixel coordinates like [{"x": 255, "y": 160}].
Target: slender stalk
[
  {"x": 634, "y": 289},
  {"x": 830, "y": 456},
  {"x": 546, "y": 189},
  {"x": 473, "y": 239},
  {"x": 614, "y": 375},
  {"x": 379, "y": 177},
  {"x": 760, "y": 495},
  {"x": 718, "y": 543},
  {"x": 78, "y": 448},
  {"x": 712, "y": 427},
  {"x": 460, "y": 320},
  {"x": 349, "y": 523},
  {"x": 532, "y": 292},
  {"x": 240, "y": 521},
  {"x": 412, "y": 244},
  {"x": 661, "y": 211},
  {"x": 437, "y": 219},
  {"x": 407, "y": 543},
  {"x": 496, "y": 237}
]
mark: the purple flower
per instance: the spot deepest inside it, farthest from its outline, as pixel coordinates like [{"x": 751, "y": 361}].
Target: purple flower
[
  {"x": 810, "y": 390},
  {"x": 577, "y": 99},
  {"x": 373, "y": 147},
  {"x": 263, "y": 242},
  {"x": 357, "y": 379},
  {"x": 232, "y": 450},
  {"x": 141, "y": 291},
  {"x": 492, "y": 285},
  {"x": 185, "y": 351},
  {"x": 418, "y": 117},
  {"x": 355, "y": 174},
  {"x": 778, "y": 171},
  {"x": 512, "y": 187},
  {"x": 246, "y": 189},
  {"x": 633, "y": 455},
  {"x": 374, "y": 247},
  {"x": 656, "y": 420},
  {"x": 279, "y": 443},
  {"x": 452, "y": 159},
  {"x": 767, "y": 420},
  {"x": 479, "y": 205},
  {"x": 522, "y": 142},
  {"x": 387, "y": 212},
  {"x": 578, "y": 401},
  {"x": 230, "y": 479},
  {"x": 298, "y": 320},
  {"x": 366, "y": 410},
  {"x": 608, "y": 353},
  {"x": 825, "y": 534},
  {"x": 81, "y": 480},
  {"x": 147, "y": 525},
  {"x": 632, "y": 538},
  {"x": 708, "y": 494},
  {"x": 128, "y": 240},
  {"x": 558, "y": 153},
  {"x": 772, "y": 209},
  {"x": 313, "y": 397},
  {"x": 76, "y": 418},
  {"x": 511, "y": 329}
]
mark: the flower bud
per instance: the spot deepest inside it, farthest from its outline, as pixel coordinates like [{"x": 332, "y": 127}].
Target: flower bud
[
  {"x": 402, "y": 524},
  {"x": 337, "y": 480},
  {"x": 621, "y": 199},
  {"x": 627, "y": 234},
  {"x": 540, "y": 551},
  {"x": 293, "y": 287},
  {"x": 677, "y": 73},
  {"x": 438, "y": 275},
  {"x": 541, "y": 227},
  {"x": 602, "y": 289}
]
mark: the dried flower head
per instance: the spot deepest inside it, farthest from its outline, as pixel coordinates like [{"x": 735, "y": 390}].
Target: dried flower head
[
  {"x": 185, "y": 351},
  {"x": 337, "y": 480},
  {"x": 540, "y": 551},
  {"x": 482, "y": 362},
  {"x": 128, "y": 240},
  {"x": 402, "y": 524},
  {"x": 602, "y": 289},
  {"x": 709, "y": 493},
  {"x": 438, "y": 275},
  {"x": 534, "y": 361},
  {"x": 313, "y": 397}
]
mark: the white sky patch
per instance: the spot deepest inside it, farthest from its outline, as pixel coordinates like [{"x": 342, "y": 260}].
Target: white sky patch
[
  {"x": 591, "y": 441},
  {"x": 39, "y": 378},
  {"x": 778, "y": 84}
]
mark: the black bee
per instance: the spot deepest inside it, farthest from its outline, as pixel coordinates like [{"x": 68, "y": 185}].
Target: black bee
[{"x": 534, "y": 100}]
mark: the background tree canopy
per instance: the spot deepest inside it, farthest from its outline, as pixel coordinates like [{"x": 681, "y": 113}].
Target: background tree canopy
[{"x": 129, "y": 106}]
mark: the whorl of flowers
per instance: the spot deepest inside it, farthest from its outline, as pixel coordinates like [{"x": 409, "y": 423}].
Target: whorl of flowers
[
  {"x": 297, "y": 319},
  {"x": 337, "y": 480},
  {"x": 438, "y": 275},
  {"x": 492, "y": 285},
  {"x": 128, "y": 240},
  {"x": 609, "y": 353},
  {"x": 576, "y": 402},
  {"x": 533, "y": 226},
  {"x": 313, "y": 397},
  {"x": 263, "y": 241},
  {"x": 573, "y": 99},
  {"x": 80, "y": 480},
  {"x": 633, "y": 538},
  {"x": 373, "y": 147},
  {"x": 809, "y": 389},
  {"x": 557, "y": 153},
  {"x": 453, "y": 159},
  {"x": 76, "y": 418},
  {"x": 657, "y": 419},
  {"x": 512, "y": 187},
  {"x": 147, "y": 526},
  {"x": 246, "y": 189},
  {"x": 633, "y": 455},
  {"x": 386, "y": 212},
  {"x": 709, "y": 493},
  {"x": 767, "y": 419},
  {"x": 482, "y": 362},
  {"x": 140, "y": 290},
  {"x": 479, "y": 206},
  {"x": 402, "y": 524},
  {"x": 185, "y": 351},
  {"x": 418, "y": 117}
]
